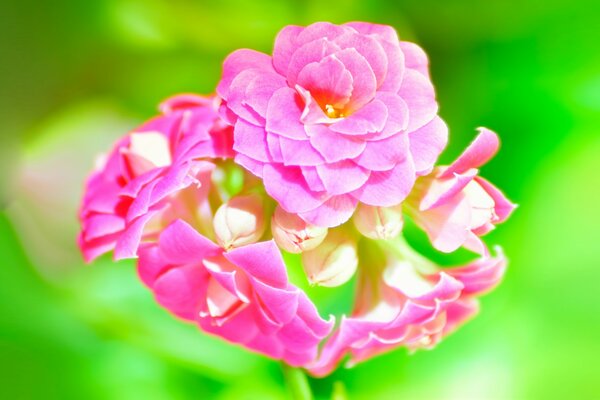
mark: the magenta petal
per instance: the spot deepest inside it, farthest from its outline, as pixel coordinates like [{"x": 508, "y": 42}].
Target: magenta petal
[
  {"x": 342, "y": 177},
  {"x": 288, "y": 187},
  {"x": 320, "y": 30},
  {"x": 369, "y": 119},
  {"x": 426, "y": 144},
  {"x": 261, "y": 261},
  {"x": 480, "y": 151},
  {"x": 383, "y": 155},
  {"x": 239, "y": 61},
  {"x": 397, "y": 115},
  {"x": 99, "y": 225},
  {"x": 334, "y": 146},
  {"x": 384, "y": 32},
  {"x": 151, "y": 265},
  {"x": 184, "y": 101},
  {"x": 260, "y": 90},
  {"x": 333, "y": 212},
  {"x": 250, "y": 140},
  {"x": 274, "y": 147},
  {"x": 179, "y": 290},
  {"x": 418, "y": 93},
  {"x": 388, "y": 188},
  {"x": 283, "y": 114},
  {"x": 181, "y": 244},
  {"x": 128, "y": 242}
]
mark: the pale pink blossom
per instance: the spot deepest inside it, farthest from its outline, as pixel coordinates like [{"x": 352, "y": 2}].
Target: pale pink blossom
[
  {"x": 333, "y": 262},
  {"x": 240, "y": 221},
  {"x": 408, "y": 304},
  {"x": 340, "y": 114},
  {"x": 454, "y": 205},
  {"x": 293, "y": 234},
  {"x": 242, "y": 295},
  {"x": 378, "y": 222},
  {"x": 151, "y": 175}
]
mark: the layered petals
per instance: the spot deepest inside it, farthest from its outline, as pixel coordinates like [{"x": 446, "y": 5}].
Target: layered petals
[
  {"x": 334, "y": 98},
  {"x": 242, "y": 295},
  {"x": 455, "y": 206},
  {"x": 141, "y": 184},
  {"x": 416, "y": 306}
]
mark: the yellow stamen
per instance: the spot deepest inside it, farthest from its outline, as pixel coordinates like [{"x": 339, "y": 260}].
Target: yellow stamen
[{"x": 332, "y": 112}]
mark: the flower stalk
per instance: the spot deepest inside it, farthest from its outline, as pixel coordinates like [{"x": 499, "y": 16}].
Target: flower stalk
[{"x": 296, "y": 382}]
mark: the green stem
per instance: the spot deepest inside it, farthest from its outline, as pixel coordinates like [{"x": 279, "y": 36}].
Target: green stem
[{"x": 296, "y": 382}]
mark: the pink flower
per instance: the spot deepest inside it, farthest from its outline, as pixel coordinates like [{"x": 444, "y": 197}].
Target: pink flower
[
  {"x": 454, "y": 205},
  {"x": 242, "y": 295},
  {"x": 139, "y": 187},
  {"x": 340, "y": 114},
  {"x": 415, "y": 306}
]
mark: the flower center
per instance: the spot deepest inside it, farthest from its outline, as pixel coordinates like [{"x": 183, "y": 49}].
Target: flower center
[{"x": 333, "y": 112}]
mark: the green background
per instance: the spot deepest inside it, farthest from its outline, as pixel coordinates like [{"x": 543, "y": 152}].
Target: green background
[{"x": 74, "y": 75}]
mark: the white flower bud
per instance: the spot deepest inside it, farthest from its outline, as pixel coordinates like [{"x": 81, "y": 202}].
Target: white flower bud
[
  {"x": 240, "y": 221},
  {"x": 333, "y": 262},
  {"x": 378, "y": 222},
  {"x": 293, "y": 234}
]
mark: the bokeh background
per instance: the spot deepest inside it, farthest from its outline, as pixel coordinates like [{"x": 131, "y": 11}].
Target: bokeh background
[{"x": 74, "y": 75}]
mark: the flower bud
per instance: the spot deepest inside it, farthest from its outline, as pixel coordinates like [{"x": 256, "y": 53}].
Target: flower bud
[
  {"x": 378, "y": 222},
  {"x": 240, "y": 221},
  {"x": 333, "y": 262},
  {"x": 293, "y": 234}
]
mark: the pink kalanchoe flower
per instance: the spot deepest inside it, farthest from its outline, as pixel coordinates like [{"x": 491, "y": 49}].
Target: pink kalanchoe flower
[
  {"x": 454, "y": 205},
  {"x": 139, "y": 187},
  {"x": 242, "y": 295},
  {"x": 411, "y": 304},
  {"x": 340, "y": 114}
]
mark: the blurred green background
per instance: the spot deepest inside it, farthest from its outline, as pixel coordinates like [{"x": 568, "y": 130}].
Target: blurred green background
[{"x": 75, "y": 75}]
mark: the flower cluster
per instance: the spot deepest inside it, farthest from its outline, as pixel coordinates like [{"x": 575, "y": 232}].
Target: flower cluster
[{"x": 320, "y": 150}]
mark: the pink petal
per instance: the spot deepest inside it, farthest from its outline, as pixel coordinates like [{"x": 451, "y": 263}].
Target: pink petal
[
  {"x": 299, "y": 152},
  {"x": 388, "y": 188},
  {"x": 181, "y": 244},
  {"x": 415, "y": 58},
  {"x": 426, "y": 144},
  {"x": 370, "y": 49},
  {"x": 251, "y": 141},
  {"x": 480, "y": 151},
  {"x": 283, "y": 114},
  {"x": 285, "y": 46},
  {"x": 333, "y": 212},
  {"x": 287, "y": 186},
  {"x": 312, "y": 178},
  {"x": 238, "y": 61},
  {"x": 365, "y": 83},
  {"x": 179, "y": 290},
  {"x": 261, "y": 261},
  {"x": 308, "y": 53},
  {"x": 369, "y": 119},
  {"x": 334, "y": 146},
  {"x": 328, "y": 81},
  {"x": 447, "y": 225},
  {"x": 184, "y": 101},
  {"x": 440, "y": 191},
  {"x": 383, "y": 155},
  {"x": 418, "y": 93},
  {"x": 502, "y": 206},
  {"x": 342, "y": 177}
]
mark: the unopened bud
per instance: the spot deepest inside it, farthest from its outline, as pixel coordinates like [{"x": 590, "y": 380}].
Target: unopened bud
[
  {"x": 333, "y": 262},
  {"x": 240, "y": 221},
  {"x": 378, "y": 222},
  {"x": 293, "y": 234}
]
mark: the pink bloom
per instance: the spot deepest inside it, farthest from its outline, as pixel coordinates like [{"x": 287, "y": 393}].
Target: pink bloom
[
  {"x": 415, "y": 306},
  {"x": 242, "y": 295},
  {"x": 139, "y": 186},
  {"x": 454, "y": 205},
  {"x": 340, "y": 114}
]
